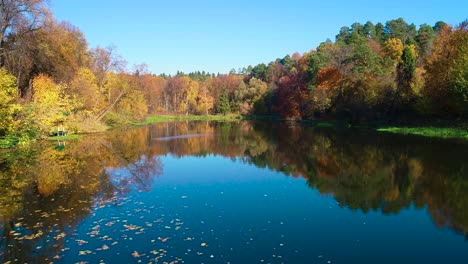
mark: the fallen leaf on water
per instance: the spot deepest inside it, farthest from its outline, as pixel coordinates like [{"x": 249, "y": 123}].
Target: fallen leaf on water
[
  {"x": 81, "y": 242},
  {"x": 164, "y": 240},
  {"x": 59, "y": 236}
]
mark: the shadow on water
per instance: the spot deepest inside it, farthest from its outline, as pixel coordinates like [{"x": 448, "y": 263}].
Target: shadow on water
[{"x": 46, "y": 192}]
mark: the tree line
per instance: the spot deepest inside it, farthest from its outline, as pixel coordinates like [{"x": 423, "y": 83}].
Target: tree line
[{"x": 381, "y": 72}]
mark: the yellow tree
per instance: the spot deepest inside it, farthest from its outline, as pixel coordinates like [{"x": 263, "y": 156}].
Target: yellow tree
[
  {"x": 51, "y": 104},
  {"x": 125, "y": 101},
  {"x": 85, "y": 88},
  {"x": 393, "y": 49},
  {"x": 204, "y": 101},
  {"x": 192, "y": 91},
  {"x": 133, "y": 106},
  {"x": 8, "y": 106}
]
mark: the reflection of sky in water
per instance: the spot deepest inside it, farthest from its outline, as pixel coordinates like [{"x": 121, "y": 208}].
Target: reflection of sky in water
[
  {"x": 124, "y": 197},
  {"x": 216, "y": 210}
]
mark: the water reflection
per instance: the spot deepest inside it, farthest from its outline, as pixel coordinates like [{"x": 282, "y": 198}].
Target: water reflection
[{"x": 46, "y": 192}]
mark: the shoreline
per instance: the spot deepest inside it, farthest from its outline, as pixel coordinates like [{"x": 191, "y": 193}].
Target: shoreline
[
  {"x": 445, "y": 131},
  {"x": 435, "y": 130}
]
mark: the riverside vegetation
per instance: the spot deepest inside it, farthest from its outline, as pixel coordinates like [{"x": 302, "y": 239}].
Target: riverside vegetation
[{"x": 391, "y": 72}]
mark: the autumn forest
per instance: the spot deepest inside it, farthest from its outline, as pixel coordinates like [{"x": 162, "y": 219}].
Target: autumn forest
[{"x": 390, "y": 71}]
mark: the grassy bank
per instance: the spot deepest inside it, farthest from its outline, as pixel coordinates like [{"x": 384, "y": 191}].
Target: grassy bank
[
  {"x": 438, "y": 132},
  {"x": 165, "y": 118},
  {"x": 67, "y": 137}
]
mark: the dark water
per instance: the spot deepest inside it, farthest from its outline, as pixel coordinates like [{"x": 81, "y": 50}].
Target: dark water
[{"x": 241, "y": 192}]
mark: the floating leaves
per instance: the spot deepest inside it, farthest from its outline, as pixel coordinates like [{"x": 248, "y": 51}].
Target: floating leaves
[
  {"x": 164, "y": 240},
  {"x": 60, "y": 236},
  {"x": 81, "y": 242},
  {"x": 85, "y": 252}
]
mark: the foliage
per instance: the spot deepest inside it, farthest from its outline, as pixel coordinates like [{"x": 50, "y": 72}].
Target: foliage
[
  {"x": 224, "y": 106},
  {"x": 447, "y": 72},
  {"x": 8, "y": 106},
  {"x": 394, "y": 49}
]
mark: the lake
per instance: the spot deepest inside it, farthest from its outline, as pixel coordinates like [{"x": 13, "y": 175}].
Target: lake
[{"x": 235, "y": 192}]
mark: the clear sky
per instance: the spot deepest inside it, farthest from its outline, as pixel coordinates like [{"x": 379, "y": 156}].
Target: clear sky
[{"x": 217, "y": 36}]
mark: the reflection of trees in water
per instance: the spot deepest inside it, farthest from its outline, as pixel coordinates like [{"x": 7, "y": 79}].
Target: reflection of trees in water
[
  {"x": 55, "y": 190},
  {"x": 139, "y": 175},
  {"x": 369, "y": 171},
  {"x": 46, "y": 193},
  {"x": 361, "y": 169}
]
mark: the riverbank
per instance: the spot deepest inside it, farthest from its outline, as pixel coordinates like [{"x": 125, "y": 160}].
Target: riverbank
[
  {"x": 231, "y": 117},
  {"x": 442, "y": 131},
  {"x": 435, "y": 132},
  {"x": 439, "y": 130},
  {"x": 67, "y": 137}
]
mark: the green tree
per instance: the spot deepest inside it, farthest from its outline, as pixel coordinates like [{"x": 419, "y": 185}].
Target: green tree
[
  {"x": 224, "y": 106},
  {"x": 380, "y": 36},
  {"x": 397, "y": 28},
  {"x": 405, "y": 73},
  {"x": 344, "y": 32},
  {"x": 424, "y": 41},
  {"x": 438, "y": 26},
  {"x": 369, "y": 29},
  {"x": 260, "y": 72}
]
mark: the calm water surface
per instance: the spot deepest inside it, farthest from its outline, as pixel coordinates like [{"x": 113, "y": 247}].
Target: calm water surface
[{"x": 235, "y": 192}]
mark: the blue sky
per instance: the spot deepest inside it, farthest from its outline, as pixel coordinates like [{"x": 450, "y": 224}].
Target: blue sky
[{"x": 217, "y": 36}]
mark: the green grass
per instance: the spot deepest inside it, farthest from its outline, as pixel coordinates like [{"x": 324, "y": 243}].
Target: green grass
[
  {"x": 64, "y": 137},
  {"x": 439, "y": 132},
  {"x": 165, "y": 118}
]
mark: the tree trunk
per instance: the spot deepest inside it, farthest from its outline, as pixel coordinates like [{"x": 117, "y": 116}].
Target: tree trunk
[{"x": 107, "y": 109}]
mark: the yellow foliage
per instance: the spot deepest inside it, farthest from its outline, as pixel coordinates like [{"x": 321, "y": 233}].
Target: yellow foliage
[
  {"x": 51, "y": 104},
  {"x": 8, "y": 107},
  {"x": 84, "y": 86},
  {"x": 393, "y": 48},
  {"x": 192, "y": 94},
  {"x": 114, "y": 86},
  {"x": 133, "y": 105},
  {"x": 204, "y": 101}
]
